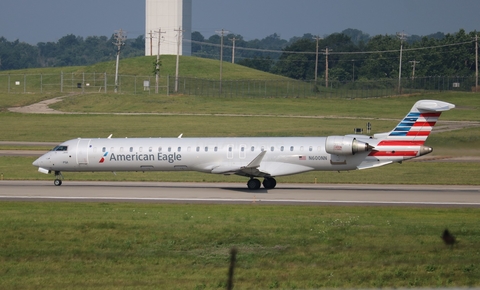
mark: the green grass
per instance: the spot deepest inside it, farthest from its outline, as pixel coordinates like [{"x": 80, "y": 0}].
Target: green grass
[
  {"x": 286, "y": 117},
  {"x": 466, "y": 173},
  {"x": 392, "y": 107},
  {"x": 171, "y": 246}
]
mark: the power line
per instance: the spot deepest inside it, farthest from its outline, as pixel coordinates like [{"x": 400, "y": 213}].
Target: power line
[{"x": 333, "y": 53}]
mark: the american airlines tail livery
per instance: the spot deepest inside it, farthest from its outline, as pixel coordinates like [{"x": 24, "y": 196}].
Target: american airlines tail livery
[{"x": 259, "y": 157}]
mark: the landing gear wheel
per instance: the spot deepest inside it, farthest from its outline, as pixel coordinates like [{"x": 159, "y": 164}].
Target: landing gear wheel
[
  {"x": 58, "y": 178},
  {"x": 253, "y": 184},
  {"x": 269, "y": 183}
]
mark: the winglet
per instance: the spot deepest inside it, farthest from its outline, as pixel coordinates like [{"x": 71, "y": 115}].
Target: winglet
[
  {"x": 251, "y": 169},
  {"x": 255, "y": 163}
]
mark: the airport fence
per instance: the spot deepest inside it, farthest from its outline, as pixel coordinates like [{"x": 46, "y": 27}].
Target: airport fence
[{"x": 143, "y": 85}]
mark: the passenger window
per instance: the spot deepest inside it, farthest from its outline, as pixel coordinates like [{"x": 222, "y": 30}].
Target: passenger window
[
  {"x": 169, "y": 149},
  {"x": 262, "y": 148},
  {"x": 131, "y": 149},
  {"x": 272, "y": 148},
  {"x": 242, "y": 149},
  {"x": 159, "y": 149},
  {"x": 104, "y": 149},
  {"x": 206, "y": 148},
  {"x": 291, "y": 148},
  {"x": 179, "y": 149},
  {"x": 140, "y": 149},
  {"x": 198, "y": 149},
  {"x": 301, "y": 148},
  {"x": 253, "y": 148},
  {"x": 215, "y": 149},
  {"x": 281, "y": 148},
  {"x": 150, "y": 149},
  {"x": 310, "y": 148},
  {"x": 229, "y": 149}
]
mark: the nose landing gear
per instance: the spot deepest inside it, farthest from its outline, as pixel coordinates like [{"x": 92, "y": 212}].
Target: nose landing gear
[{"x": 58, "y": 178}]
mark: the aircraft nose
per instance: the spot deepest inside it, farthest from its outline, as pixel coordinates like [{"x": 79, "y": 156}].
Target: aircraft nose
[{"x": 36, "y": 162}]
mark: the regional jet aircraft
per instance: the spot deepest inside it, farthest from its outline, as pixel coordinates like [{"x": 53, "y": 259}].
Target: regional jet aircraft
[{"x": 251, "y": 157}]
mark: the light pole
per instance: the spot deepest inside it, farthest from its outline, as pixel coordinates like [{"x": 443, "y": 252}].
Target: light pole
[
  {"x": 402, "y": 37},
  {"x": 222, "y": 33}
]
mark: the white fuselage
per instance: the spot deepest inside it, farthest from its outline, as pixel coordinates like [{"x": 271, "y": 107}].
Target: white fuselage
[
  {"x": 283, "y": 156},
  {"x": 253, "y": 157}
]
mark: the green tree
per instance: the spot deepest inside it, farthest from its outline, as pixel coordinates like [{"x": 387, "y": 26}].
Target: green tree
[{"x": 295, "y": 63}]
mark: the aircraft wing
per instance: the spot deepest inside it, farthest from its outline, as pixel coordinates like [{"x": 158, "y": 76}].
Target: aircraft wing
[
  {"x": 257, "y": 168},
  {"x": 251, "y": 169}
]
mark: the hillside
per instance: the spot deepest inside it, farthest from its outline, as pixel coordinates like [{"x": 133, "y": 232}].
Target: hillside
[{"x": 189, "y": 66}]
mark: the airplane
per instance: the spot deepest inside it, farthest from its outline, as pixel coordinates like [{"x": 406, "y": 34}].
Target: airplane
[{"x": 252, "y": 157}]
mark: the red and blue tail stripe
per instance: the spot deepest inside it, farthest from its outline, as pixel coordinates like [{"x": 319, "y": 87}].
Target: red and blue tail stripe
[
  {"x": 413, "y": 130},
  {"x": 406, "y": 139}
]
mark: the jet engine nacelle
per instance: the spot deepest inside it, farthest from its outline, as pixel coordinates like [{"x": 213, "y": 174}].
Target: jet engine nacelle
[{"x": 345, "y": 145}]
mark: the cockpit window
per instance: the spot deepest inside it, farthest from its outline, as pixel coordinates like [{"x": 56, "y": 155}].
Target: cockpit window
[{"x": 60, "y": 148}]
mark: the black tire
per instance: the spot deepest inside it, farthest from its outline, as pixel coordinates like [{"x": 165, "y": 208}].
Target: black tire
[
  {"x": 253, "y": 184},
  {"x": 57, "y": 182},
  {"x": 269, "y": 183}
]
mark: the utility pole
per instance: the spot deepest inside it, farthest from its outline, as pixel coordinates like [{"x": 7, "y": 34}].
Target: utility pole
[
  {"x": 413, "y": 62},
  {"x": 120, "y": 41},
  {"x": 157, "y": 66},
  {"x": 402, "y": 37},
  {"x": 233, "y": 49},
  {"x": 222, "y": 32},
  {"x": 476, "y": 63},
  {"x": 151, "y": 42},
  {"x": 326, "y": 51},
  {"x": 353, "y": 70},
  {"x": 317, "y": 38},
  {"x": 179, "y": 35}
]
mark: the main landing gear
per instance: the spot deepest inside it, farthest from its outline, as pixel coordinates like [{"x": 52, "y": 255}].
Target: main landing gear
[
  {"x": 58, "y": 178},
  {"x": 268, "y": 183}
]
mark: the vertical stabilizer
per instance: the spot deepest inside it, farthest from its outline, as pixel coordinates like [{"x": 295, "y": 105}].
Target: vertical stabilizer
[
  {"x": 407, "y": 139},
  {"x": 417, "y": 124}
]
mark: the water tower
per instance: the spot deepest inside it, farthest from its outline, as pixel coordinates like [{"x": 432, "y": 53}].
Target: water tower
[{"x": 168, "y": 18}]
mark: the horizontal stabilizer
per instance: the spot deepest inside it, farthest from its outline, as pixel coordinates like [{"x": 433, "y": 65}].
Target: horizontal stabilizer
[
  {"x": 369, "y": 164},
  {"x": 433, "y": 106}
]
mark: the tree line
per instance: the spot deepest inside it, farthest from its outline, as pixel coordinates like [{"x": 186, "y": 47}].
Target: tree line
[
  {"x": 69, "y": 50},
  {"x": 352, "y": 54}
]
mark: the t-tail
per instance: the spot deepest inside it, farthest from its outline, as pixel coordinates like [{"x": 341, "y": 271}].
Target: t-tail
[{"x": 407, "y": 139}]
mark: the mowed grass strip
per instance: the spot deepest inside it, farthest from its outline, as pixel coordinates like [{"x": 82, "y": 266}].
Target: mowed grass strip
[
  {"x": 171, "y": 246},
  {"x": 448, "y": 173}
]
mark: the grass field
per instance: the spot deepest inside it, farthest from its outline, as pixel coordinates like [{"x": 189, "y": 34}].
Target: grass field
[
  {"x": 170, "y": 246},
  {"x": 286, "y": 117},
  {"x": 466, "y": 173}
]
